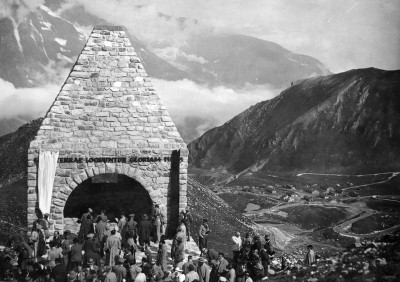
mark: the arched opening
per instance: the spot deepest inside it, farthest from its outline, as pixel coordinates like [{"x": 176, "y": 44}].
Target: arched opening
[{"x": 116, "y": 193}]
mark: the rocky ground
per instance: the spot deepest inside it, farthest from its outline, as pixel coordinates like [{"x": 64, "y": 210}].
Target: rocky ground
[{"x": 368, "y": 260}]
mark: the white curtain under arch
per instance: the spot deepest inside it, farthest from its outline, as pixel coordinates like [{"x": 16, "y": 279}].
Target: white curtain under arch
[{"x": 46, "y": 175}]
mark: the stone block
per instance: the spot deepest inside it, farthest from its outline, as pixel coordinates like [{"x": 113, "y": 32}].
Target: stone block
[
  {"x": 58, "y": 227},
  {"x": 110, "y": 167},
  {"x": 58, "y": 202}
]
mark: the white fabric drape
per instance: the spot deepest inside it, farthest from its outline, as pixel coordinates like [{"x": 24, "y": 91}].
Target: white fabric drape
[{"x": 47, "y": 172}]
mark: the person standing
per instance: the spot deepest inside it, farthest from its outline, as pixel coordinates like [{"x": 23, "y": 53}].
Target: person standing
[
  {"x": 222, "y": 264},
  {"x": 133, "y": 270},
  {"x": 144, "y": 230},
  {"x": 120, "y": 270},
  {"x": 157, "y": 274},
  {"x": 60, "y": 271},
  {"x": 203, "y": 270},
  {"x": 187, "y": 220},
  {"x": 101, "y": 231},
  {"x": 66, "y": 247},
  {"x": 76, "y": 252},
  {"x": 157, "y": 223},
  {"x": 57, "y": 239},
  {"x": 112, "y": 246},
  {"x": 231, "y": 276},
  {"x": 122, "y": 228},
  {"x": 177, "y": 254},
  {"x": 102, "y": 215},
  {"x": 86, "y": 222},
  {"x": 310, "y": 256},
  {"x": 186, "y": 265},
  {"x": 203, "y": 234},
  {"x": 131, "y": 227},
  {"x": 92, "y": 249},
  {"x": 110, "y": 276},
  {"x": 162, "y": 254},
  {"x": 237, "y": 246},
  {"x": 52, "y": 255},
  {"x": 140, "y": 277},
  {"x": 192, "y": 274},
  {"x": 41, "y": 246}
]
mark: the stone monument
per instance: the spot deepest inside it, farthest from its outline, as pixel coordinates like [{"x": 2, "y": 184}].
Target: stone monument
[{"x": 111, "y": 131}]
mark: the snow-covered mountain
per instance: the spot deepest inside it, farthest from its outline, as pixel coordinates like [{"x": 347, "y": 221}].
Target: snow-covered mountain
[{"x": 40, "y": 49}]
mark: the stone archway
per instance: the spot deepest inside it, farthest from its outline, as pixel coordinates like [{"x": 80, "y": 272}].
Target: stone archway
[
  {"x": 116, "y": 193},
  {"x": 63, "y": 192}
]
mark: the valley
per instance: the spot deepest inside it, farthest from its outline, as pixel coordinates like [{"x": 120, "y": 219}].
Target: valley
[{"x": 327, "y": 210}]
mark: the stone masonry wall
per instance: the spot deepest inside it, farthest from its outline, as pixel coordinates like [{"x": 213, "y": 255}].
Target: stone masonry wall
[{"x": 107, "y": 108}]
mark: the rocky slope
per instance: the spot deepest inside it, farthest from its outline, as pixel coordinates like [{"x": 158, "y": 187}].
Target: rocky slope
[
  {"x": 342, "y": 122},
  {"x": 14, "y": 151}
]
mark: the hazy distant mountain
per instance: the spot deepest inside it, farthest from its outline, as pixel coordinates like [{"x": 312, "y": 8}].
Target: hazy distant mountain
[
  {"x": 348, "y": 121},
  {"x": 44, "y": 47},
  {"x": 236, "y": 60}
]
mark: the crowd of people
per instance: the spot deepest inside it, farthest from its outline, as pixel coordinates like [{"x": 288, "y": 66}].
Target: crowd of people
[{"x": 104, "y": 251}]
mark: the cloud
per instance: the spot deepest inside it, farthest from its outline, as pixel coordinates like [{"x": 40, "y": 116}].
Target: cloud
[
  {"x": 196, "y": 108},
  {"x": 26, "y": 102},
  {"x": 343, "y": 34},
  {"x": 18, "y": 9}
]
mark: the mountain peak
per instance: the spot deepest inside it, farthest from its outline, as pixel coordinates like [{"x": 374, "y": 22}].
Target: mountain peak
[{"x": 341, "y": 122}]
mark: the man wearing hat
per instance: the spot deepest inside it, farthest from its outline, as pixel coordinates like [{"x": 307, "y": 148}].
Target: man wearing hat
[
  {"x": 92, "y": 248},
  {"x": 144, "y": 230},
  {"x": 120, "y": 270},
  {"x": 178, "y": 276},
  {"x": 203, "y": 270},
  {"x": 86, "y": 222},
  {"x": 156, "y": 272}
]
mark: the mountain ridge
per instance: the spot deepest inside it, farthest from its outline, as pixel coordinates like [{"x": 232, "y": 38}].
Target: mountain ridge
[{"x": 309, "y": 123}]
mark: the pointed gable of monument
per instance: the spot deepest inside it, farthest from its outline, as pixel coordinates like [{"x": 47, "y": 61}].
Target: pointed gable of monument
[
  {"x": 109, "y": 94},
  {"x": 108, "y": 118}
]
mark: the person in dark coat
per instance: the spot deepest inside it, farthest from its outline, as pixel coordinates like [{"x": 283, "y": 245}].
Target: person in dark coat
[
  {"x": 41, "y": 249},
  {"x": 204, "y": 230},
  {"x": 178, "y": 252},
  {"x": 144, "y": 230},
  {"x": 120, "y": 270},
  {"x": 60, "y": 271},
  {"x": 211, "y": 254},
  {"x": 57, "y": 239},
  {"x": 132, "y": 227},
  {"x": 86, "y": 224},
  {"x": 162, "y": 254},
  {"x": 76, "y": 252},
  {"x": 187, "y": 220},
  {"x": 101, "y": 230},
  {"x": 92, "y": 249},
  {"x": 257, "y": 245}
]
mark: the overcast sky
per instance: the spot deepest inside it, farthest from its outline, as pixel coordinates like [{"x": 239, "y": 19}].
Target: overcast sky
[{"x": 342, "y": 34}]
